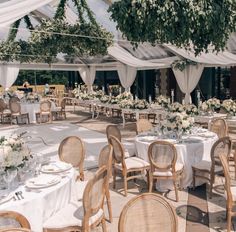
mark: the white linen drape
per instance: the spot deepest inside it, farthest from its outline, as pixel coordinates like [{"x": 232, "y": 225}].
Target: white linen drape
[
  {"x": 127, "y": 75},
  {"x": 188, "y": 79},
  {"x": 8, "y": 75},
  {"x": 13, "y": 10},
  {"x": 88, "y": 76}
]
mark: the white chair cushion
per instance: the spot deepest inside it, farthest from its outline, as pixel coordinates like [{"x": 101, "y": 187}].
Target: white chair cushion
[
  {"x": 206, "y": 165},
  {"x": 134, "y": 162},
  {"x": 178, "y": 167},
  {"x": 79, "y": 189},
  {"x": 71, "y": 215}
]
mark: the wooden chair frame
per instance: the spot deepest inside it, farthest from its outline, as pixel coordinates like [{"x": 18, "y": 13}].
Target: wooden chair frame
[
  {"x": 125, "y": 172},
  {"x": 80, "y": 164},
  {"x": 214, "y": 121},
  {"x": 143, "y": 125},
  {"x": 212, "y": 172},
  {"x": 230, "y": 202},
  {"x": 43, "y": 112},
  {"x": 105, "y": 158},
  {"x": 22, "y": 220},
  {"x": 15, "y": 109},
  {"x": 176, "y": 175},
  {"x": 113, "y": 130},
  {"x": 146, "y": 197}
]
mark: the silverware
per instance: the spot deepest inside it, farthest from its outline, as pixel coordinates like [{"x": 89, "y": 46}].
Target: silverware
[
  {"x": 17, "y": 195},
  {"x": 21, "y": 194}
]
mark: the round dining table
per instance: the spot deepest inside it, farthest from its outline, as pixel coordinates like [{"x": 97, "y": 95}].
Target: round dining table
[
  {"x": 191, "y": 150},
  {"x": 40, "y": 203}
]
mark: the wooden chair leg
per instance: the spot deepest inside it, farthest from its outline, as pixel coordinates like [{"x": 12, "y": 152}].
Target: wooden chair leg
[
  {"x": 147, "y": 178},
  {"x": 108, "y": 197},
  {"x": 228, "y": 221},
  {"x": 125, "y": 184},
  {"x": 150, "y": 182},
  {"x": 176, "y": 190},
  {"x": 104, "y": 227},
  {"x": 81, "y": 177}
]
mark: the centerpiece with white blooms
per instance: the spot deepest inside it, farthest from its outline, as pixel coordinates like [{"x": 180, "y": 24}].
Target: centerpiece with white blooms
[
  {"x": 210, "y": 105},
  {"x": 229, "y": 106},
  {"x": 163, "y": 101},
  {"x": 176, "y": 107},
  {"x": 191, "y": 109}
]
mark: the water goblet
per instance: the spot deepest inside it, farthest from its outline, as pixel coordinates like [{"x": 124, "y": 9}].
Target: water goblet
[{"x": 9, "y": 176}]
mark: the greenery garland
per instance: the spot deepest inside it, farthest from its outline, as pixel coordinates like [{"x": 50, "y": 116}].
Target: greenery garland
[
  {"x": 195, "y": 24},
  {"x": 92, "y": 39},
  {"x": 182, "y": 64}
]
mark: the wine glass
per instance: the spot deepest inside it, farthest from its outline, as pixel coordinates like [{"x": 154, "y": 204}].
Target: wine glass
[
  {"x": 9, "y": 176},
  {"x": 39, "y": 161}
]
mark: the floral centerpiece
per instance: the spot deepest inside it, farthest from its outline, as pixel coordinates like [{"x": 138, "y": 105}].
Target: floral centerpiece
[
  {"x": 210, "y": 105},
  {"x": 163, "y": 101},
  {"x": 126, "y": 104},
  {"x": 32, "y": 97},
  {"x": 104, "y": 99},
  {"x": 229, "y": 106},
  {"x": 176, "y": 107},
  {"x": 191, "y": 109},
  {"x": 141, "y": 104},
  {"x": 98, "y": 94},
  {"x": 178, "y": 122},
  {"x": 125, "y": 96},
  {"x": 13, "y": 152},
  {"x": 113, "y": 100}
]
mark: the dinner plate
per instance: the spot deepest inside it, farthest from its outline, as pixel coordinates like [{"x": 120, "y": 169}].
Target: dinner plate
[
  {"x": 6, "y": 198},
  {"x": 43, "y": 181},
  {"x": 56, "y": 167}
]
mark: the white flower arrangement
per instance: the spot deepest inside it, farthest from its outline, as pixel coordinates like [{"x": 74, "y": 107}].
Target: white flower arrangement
[
  {"x": 13, "y": 152},
  {"x": 104, "y": 99},
  {"x": 191, "y": 109},
  {"x": 176, "y": 107},
  {"x": 32, "y": 97},
  {"x": 113, "y": 100},
  {"x": 178, "y": 122},
  {"x": 229, "y": 106},
  {"x": 211, "y": 104},
  {"x": 125, "y": 95},
  {"x": 141, "y": 104},
  {"x": 126, "y": 104},
  {"x": 163, "y": 101}
]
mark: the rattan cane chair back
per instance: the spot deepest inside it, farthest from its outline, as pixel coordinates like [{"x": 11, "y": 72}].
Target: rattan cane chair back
[
  {"x": 71, "y": 150},
  {"x": 105, "y": 158},
  {"x": 219, "y": 126},
  {"x": 15, "y": 107},
  {"x": 143, "y": 125},
  {"x": 12, "y": 219},
  {"x": 45, "y": 106},
  {"x": 162, "y": 156},
  {"x": 3, "y": 105},
  {"x": 118, "y": 150},
  {"x": 14, "y": 99},
  {"x": 113, "y": 130},
  {"x": 148, "y": 212},
  {"x": 94, "y": 194}
]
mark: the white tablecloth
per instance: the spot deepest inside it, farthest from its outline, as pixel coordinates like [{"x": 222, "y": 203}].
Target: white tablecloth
[
  {"x": 193, "y": 150},
  {"x": 207, "y": 118},
  {"x": 38, "y": 206}
]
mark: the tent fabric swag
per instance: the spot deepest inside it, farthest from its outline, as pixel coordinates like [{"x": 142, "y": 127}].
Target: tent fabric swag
[
  {"x": 8, "y": 75},
  {"x": 88, "y": 76}
]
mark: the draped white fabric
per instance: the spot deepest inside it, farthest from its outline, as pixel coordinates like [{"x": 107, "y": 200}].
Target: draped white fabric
[
  {"x": 88, "y": 76},
  {"x": 8, "y": 75},
  {"x": 188, "y": 79},
  {"x": 127, "y": 75},
  {"x": 13, "y": 10}
]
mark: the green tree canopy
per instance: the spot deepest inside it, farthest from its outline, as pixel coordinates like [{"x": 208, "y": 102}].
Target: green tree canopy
[{"x": 197, "y": 24}]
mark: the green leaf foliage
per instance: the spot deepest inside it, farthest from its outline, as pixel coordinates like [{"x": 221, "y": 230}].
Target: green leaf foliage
[{"x": 195, "y": 24}]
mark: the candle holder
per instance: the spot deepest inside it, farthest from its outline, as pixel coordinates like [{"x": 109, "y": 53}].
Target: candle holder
[{"x": 172, "y": 95}]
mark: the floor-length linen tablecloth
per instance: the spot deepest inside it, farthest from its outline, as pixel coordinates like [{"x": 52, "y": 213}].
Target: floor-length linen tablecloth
[
  {"x": 193, "y": 150},
  {"x": 38, "y": 205}
]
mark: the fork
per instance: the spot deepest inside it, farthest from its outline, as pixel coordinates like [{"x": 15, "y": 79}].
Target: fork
[{"x": 21, "y": 194}]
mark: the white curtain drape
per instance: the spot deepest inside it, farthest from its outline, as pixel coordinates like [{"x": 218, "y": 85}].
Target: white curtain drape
[
  {"x": 127, "y": 75},
  {"x": 188, "y": 79},
  {"x": 8, "y": 75},
  {"x": 13, "y": 10},
  {"x": 88, "y": 76}
]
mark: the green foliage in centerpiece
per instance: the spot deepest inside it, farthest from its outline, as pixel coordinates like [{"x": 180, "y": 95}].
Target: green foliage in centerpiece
[
  {"x": 187, "y": 23},
  {"x": 229, "y": 106}
]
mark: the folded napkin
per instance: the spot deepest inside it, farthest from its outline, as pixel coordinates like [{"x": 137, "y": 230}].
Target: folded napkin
[{"x": 57, "y": 166}]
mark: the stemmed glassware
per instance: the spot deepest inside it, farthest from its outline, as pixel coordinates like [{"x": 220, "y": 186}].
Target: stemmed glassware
[{"x": 9, "y": 176}]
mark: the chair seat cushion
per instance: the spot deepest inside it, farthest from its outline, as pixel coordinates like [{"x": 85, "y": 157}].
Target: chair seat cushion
[
  {"x": 71, "y": 215},
  {"x": 178, "y": 168},
  {"x": 134, "y": 162},
  {"x": 79, "y": 189},
  {"x": 206, "y": 165},
  {"x": 129, "y": 149}
]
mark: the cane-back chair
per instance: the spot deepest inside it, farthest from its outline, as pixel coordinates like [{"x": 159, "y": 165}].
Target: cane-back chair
[
  {"x": 164, "y": 166},
  {"x": 218, "y": 126},
  {"x": 16, "y": 114},
  {"x": 85, "y": 215},
  {"x": 208, "y": 169},
  {"x": 12, "y": 219},
  {"x": 127, "y": 166},
  {"x": 143, "y": 125},
  {"x": 45, "y": 111},
  {"x": 148, "y": 212},
  {"x": 71, "y": 150}
]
